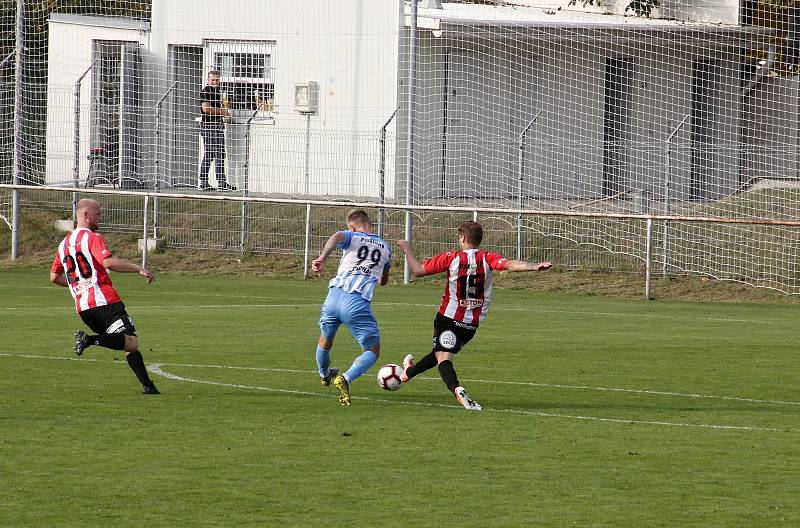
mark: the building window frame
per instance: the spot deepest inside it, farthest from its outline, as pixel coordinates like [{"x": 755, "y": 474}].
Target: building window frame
[{"x": 247, "y": 73}]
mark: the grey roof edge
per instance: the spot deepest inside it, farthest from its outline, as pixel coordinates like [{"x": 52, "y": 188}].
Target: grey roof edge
[{"x": 101, "y": 21}]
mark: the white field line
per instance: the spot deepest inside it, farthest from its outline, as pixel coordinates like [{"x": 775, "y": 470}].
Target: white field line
[
  {"x": 156, "y": 368},
  {"x": 521, "y": 383},
  {"x": 318, "y": 304}
]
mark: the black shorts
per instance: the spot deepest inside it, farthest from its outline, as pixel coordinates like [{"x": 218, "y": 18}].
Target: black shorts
[
  {"x": 450, "y": 335},
  {"x": 109, "y": 319}
]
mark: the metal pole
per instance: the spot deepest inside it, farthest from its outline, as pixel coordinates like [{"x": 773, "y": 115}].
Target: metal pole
[
  {"x": 382, "y": 175},
  {"x": 308, "y": 149},
  {"x": 7, "y": 59},
  {"x": 474, "y": 216},
  {"x": 412, "y": 96},
  {"x": 15, "y": 222},
  {"x": 145, "y": 229},
  {"x": 157, "y": 166},
  {"x": 520, "y": 173},
  {"x": 245, "y": 227},
  {"x": 648, "y": 257},
  {"x": 76, "y": 161},
  {"x": 668, "y": 195},
  {"x": 307, "y": 252},
  {"x": 20, "y": 38}
]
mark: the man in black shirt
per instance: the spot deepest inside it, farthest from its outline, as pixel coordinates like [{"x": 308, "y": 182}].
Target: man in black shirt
[{"x": 212, "y": 130}]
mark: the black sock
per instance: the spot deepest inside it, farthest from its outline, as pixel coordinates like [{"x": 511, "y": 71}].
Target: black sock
[
  {"x": 426, "y": 363},
  {"x": 448, "y": 374},
  {"x": 112, "y": 341},
  {"x": 136, "y": 362}
]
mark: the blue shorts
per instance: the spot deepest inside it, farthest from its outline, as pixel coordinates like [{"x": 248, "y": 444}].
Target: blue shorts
[{"x": 352, "y": 310}]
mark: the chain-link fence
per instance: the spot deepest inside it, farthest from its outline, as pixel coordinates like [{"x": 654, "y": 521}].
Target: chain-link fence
[{"x": 566, "y": 128}]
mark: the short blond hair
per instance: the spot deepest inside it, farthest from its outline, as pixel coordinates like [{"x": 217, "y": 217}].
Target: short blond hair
[{"x": 358, "y": 217}]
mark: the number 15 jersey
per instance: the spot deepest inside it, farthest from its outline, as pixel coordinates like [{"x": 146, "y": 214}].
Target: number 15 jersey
[
  {"x": 468, "y": 291},
  {"x": 366, "y": 257},
  {"x": 80, "y": 258}
]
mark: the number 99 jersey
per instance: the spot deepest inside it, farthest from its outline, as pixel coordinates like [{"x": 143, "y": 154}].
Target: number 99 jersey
[{"x": 366, "y": 257}]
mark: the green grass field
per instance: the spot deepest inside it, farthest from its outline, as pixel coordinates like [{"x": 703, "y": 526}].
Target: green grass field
[{"x": 597, "y": 412}]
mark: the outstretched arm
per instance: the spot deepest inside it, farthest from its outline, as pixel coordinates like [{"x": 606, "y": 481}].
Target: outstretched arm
[
  {"x": 318, "y": 264},
  {"x": 123, "y": 266},
  {"x": 413, "y": 264},
  {"x": 519, "y": 265}
]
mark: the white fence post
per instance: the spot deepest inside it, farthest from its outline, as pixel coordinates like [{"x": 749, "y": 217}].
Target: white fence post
[
  {"x": 520, "y": 180},
  {"x": 145, "y": 229},
  {"x": 412, "y": 100},
  {"x": 20, "y": 36},
  {"x": 648, "y": 258},
  {"x": 307, "y": 251}
]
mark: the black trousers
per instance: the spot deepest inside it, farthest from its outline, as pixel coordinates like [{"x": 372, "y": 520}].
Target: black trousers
[{"x": 213, "y": 150}]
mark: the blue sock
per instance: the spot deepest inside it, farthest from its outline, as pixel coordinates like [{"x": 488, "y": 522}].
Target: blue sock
[
  {"x": 361, "y": 365},
  {"x": 323, "y": 361}
]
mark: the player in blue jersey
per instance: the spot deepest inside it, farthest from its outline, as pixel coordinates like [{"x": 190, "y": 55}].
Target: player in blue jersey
[{"x": 365, "y": 263}]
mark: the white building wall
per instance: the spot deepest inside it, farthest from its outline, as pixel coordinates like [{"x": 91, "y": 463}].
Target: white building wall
[
  {"x": 349, "y": 47},
  {"x": 70, "y": 54}
]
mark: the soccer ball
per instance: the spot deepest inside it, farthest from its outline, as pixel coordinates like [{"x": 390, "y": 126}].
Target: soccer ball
[{"x": 389, "y": 377}]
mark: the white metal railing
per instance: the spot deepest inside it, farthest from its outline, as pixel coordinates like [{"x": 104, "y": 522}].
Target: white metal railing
[{"x": 638, "y": 242}]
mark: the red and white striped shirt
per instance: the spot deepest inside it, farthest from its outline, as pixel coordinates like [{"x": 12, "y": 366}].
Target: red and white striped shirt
[
  {"x": 468, "y": 291},
  {"x": 80, "y": 258}
]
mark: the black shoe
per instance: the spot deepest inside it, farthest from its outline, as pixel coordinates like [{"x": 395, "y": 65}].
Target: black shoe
[
  {"x": 205, "y": 187},
  {"x": 150, "y": 389},
  {"x": 80, "y": 342},
  {"x": 227, "y": 187}
]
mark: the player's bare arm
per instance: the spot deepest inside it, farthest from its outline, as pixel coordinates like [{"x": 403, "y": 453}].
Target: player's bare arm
[
  {"x": 59, "y": 279},
  {"x": 519, "y": 265},
  {"x": 123, "y": 266},
  {"x": 384, "y": 277},
  {"x": 413, "y": 264},
  {"x": 318, "y": 264}
]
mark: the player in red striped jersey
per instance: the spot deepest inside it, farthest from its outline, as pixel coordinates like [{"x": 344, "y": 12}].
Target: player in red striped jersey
[
  {"x": 80, "y": 265},
  {"x": 465, "y": 303}
]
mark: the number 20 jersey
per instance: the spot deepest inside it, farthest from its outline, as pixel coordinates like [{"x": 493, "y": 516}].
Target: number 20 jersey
[
  {"x": 80, "y": 256},
  {"x": 468, "y": 291},
  {"x": 365, "y": 258}
]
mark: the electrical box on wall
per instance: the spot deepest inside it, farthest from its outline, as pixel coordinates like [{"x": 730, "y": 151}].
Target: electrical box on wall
[{"x": 306, "y": 97}]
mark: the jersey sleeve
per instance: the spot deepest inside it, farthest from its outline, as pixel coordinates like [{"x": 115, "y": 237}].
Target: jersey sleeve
[
  {"x": 348, "y": 237},
  {"x": 496, "y": 261},
  {"x": 389, "y": 261},
  {"x": 438, "y": 263},
  {"x": 57, "y": 266},
  {"x": 98, "y": 248}
]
